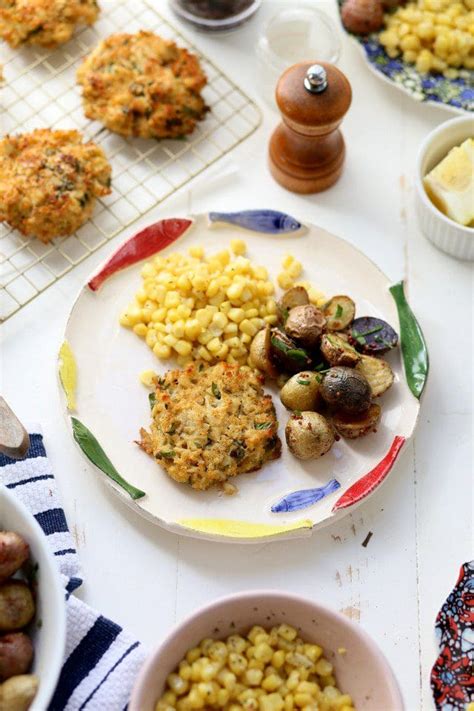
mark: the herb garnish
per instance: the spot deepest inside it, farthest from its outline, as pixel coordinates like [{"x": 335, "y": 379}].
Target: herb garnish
[
  {"x": 302, "y": 382},
  {"x": 152, "y": 400},
  {"x": 215, "y": 391},
  {"x": 167, "y": 455},
  {"x": 263, "y": 425},
  {"x": 358, "y": 335},
  {"x": 339, "y": 311}
]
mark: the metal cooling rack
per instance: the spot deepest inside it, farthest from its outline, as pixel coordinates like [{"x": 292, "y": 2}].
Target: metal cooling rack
[{"x": 40, "y": 91}]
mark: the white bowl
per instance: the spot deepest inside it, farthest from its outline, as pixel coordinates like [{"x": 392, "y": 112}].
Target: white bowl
[
  {"x": 362, "y": 671},
  {"x": 49, "y": 637},
  {"x": 443, "y": 232}
]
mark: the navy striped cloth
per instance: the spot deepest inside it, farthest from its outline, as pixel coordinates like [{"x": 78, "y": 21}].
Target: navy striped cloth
[{"x": 101, "y": 660}]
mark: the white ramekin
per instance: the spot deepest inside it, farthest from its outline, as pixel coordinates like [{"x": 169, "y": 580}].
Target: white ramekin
[{"x": 443, "y": 232}]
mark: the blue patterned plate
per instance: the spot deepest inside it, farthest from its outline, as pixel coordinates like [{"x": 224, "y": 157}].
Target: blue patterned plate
[{"x": 451, "y": 94}]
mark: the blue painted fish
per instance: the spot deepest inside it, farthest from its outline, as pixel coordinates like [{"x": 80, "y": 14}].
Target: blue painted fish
[
  {"x": 267, "y": 221},
  {"x": 305, "y": 497}
]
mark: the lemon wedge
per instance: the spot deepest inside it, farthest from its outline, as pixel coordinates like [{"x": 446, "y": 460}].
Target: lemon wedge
[{"x": 450, "y": 185}]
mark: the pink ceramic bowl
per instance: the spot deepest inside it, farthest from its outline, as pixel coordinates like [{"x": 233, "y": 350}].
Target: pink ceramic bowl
[{"x": 363, "y": 672}]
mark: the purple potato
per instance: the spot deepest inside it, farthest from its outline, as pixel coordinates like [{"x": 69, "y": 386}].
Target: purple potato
[
  {"x": 346, "y": 390},
  {"x": 372, "y": 336}
]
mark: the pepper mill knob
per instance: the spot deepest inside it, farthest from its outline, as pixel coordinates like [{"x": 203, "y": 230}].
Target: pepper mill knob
[{"x": 307, "y": 149}]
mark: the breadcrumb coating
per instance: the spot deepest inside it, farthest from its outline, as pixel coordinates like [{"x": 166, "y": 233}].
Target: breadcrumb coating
[
  {"x": 49, "y": 182},
  {"x": 210, "y": 424},
  {"x": 143, "y": 85},
  {"x": 47, "y": 23}
]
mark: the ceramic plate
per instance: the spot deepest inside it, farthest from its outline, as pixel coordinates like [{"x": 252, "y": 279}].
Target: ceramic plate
[
  {"x": 452, "y": 94},
  {"x": 100, "y": 363}
]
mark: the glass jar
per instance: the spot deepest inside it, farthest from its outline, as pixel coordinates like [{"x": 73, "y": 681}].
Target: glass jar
[
  {"x": 215, "y": 14},
  {"x": 297, "y": 34}
]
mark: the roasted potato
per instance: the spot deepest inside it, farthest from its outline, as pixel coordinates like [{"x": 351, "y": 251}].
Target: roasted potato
[
  {"x": 260, "y": 353},
  {"x": 296, "y": 296},
  {"x": 339, "y": 313},
  {"x": 16, "y": 654},
  {"x": 352, "y": 427},
  {"x": 338, "y": 351},
  {"x": 305, "y": 325},
  {"x": 301, "y": 392},
  {"x": 309, "y": 435},
  {"x": 14, "y": 551},
  {"x": 17, "y": 607},
  {"x": 378, "y": 373},
  {"x": 346, "y": 390},
  {"x": 373, "y": 336},
  {"x": 17, "y": 693},
  {"x": 286, "y": 354}
]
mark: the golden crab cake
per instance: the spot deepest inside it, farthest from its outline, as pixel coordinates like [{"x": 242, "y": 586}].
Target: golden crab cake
[
  {"x": 210, "y": 424},
  {"x": 47, "y": 23},
  {"x": 143, "y": 85},
  {"x": 49, "y": 182}
]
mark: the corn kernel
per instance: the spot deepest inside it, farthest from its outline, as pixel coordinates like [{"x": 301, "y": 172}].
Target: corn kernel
[
  {"x": 151, "y": 338},
  {"x": 231, "y": 328},
  {"x": 162, "y": 350},
  {"x": 236, "y": 315},
  {"x": 220, "y": 320},
  {"x": 170, "y": 340},
  {"x": 295, "y": 269},
  {"x": 192, "y": 329},
  {"x": 204, "y": 317},
  {"x": 140, "y": 329},
  {"x": 234, "y": 292},
  {"x": 178, "y": 329},
  {"x": 204, "y": 354},
  {"x": 184, "y": 348},
  {"x": 196, "y": 252},
  {"x": 238, "y": 246},
  {"x": 247, "y": 327},
  {"x": 284, "y": 280},
  {"x": 214, "y": 345},
  {"x": 147, "y": 377},
  {"x": 287, "y": 261}
]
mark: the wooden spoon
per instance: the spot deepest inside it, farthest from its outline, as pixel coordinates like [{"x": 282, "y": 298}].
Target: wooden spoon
[{"x": 14, "y": 439}]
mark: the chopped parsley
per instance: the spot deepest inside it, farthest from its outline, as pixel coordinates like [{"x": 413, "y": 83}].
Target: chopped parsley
[
  {"x": 215, "y": 391},
  {"x": 302, "y": 382},
  {"x": 152, "y": 400},
  {"x": 168, "y": 454},
  {"x": 357, "y": 334},
  {"x": 339, "y": 311},
  {"x": 263, "y": 425}
]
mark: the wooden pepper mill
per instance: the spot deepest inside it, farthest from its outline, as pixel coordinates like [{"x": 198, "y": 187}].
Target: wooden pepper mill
[{"x": 307, "y": 149}]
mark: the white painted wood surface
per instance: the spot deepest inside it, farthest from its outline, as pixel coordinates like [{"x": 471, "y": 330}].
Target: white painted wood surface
[{"x": 421, "y": 520}]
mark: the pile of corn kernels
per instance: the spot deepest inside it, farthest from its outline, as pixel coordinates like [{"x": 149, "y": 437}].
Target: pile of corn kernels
[
  {"x": 435, "y": 35},
  {"x": 264, "y": 671},
  {"x": 194, "y": 307}
]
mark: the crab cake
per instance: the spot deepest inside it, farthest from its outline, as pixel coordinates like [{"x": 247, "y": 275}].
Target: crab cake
[
  {"x": 143, "y": 85},
  {"x": 44, "y": 22},
  {"x": 210, "y": 424},
  {"x": 49, "y": 182}
]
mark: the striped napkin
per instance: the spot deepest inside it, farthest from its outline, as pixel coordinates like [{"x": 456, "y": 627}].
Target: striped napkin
[{"x": 101, "y": 660}]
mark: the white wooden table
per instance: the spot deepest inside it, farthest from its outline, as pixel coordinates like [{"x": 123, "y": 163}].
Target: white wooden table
[{"x": 147, "y": 579}]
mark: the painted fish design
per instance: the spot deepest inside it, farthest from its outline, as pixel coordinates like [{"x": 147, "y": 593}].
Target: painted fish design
[
  {"x": 267, "y": 221},
  {"x": 305, "y": 497}
]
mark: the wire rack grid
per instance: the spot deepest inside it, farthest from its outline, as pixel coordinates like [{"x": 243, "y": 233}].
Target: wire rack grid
[{"x": 40, "y": 91}]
